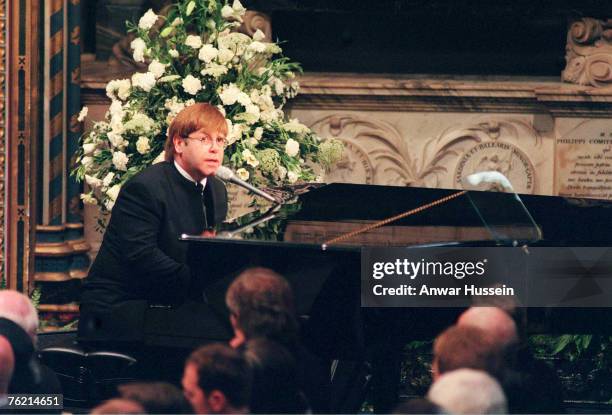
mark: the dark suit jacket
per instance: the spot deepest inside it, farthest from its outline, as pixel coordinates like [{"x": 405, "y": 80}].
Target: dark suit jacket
[{"x": 141, "y": 261}]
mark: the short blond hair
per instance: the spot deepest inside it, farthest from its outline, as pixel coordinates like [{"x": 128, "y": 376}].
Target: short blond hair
[{"x": 190, "y": 119}]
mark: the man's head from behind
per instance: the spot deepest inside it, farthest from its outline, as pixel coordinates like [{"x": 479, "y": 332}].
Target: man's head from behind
[
  {"x": 467, "y": 391},
  {"x": 196, "y": 140},
  {"x": 464, "y": 347},
  {"x": 261, "y": 305},
  {"x": 18, "y": 308},
  {"x": 217, "y": 379},
  {"x": 500, "y": 327},
  {"x": 156, "y": 397}
]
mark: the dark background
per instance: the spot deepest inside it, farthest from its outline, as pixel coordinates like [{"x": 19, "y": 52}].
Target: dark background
[{"x": 454, "y": 37}]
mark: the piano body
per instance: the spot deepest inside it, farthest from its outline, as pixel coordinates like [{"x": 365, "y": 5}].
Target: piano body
[{"x": 296, "y": 239}]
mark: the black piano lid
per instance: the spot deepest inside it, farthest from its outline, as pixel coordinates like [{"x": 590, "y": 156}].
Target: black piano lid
[{"x": 313, "y": 218}]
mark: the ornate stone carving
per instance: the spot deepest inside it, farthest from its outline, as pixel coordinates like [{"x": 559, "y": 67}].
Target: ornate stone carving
[
  {"x": 377, "y": 153},
  {"x": 589, "y": 53}
]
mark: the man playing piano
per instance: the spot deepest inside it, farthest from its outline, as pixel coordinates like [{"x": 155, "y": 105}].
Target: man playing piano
[{"x": 140, "y": 281}]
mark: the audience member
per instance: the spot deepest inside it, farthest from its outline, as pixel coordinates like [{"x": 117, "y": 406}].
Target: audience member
[
  {"x": 261, "y": 305},
  {"x": 118, "y": 406},
  {"x": 468, "y": 391},
  {"x": 217, "y": 380},
  {"x": 494, "y": 321},
  {"x": 19, "y": 323},
  {"x": 275, "y": 387},
  {"x": 464, "y": 348},
  {"x": 156, "y": 397},
  {"x": 530, "y": 384}
]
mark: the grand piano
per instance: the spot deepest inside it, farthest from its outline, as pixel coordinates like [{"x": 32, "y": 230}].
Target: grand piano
[{"x": 315, "y": 240}]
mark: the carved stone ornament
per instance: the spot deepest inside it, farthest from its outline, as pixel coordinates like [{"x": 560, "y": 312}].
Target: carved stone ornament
[
  {"x": 377, "y": 153},
  {"x": 589, "y": 53}
]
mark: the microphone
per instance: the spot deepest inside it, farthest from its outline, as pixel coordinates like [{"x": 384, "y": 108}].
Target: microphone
[
  {"x": 228, "y": 175},
  {"x": 494, "y": 177}
]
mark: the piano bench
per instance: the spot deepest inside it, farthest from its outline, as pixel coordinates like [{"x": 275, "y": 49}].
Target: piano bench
[{"x": 88, "y": 376}]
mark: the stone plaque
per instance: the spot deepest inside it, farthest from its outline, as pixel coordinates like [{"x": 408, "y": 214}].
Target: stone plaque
[{"x": 584, "y": 161}]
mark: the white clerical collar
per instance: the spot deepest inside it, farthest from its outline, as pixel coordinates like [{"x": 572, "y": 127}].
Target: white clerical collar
[{"x": 188, "y": 176}]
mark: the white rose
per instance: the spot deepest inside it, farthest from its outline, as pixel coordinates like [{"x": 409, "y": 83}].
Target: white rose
[
  {"x": 142, "y": 145},
  {"x": 292, "y": 147},
  {"x": 292, "y": 177},
  {"x": 238, "y": 7},
  {"x": 124, "y": 89},
  {"x": 208, "y": 53},
  {"x": 229, "y": 94},
  {"x": 120, "y": 160},
  {"x": 146, "y": 81},
  {"x": 87, "y": 161},
  {"x": 259, "y": 36},
  {"x": 157, "y": 68},
  {"x": 243, "y": 173},
  {"x": 249, "y": 158},
  {"x": 225, "y": 55},
  {"x": 279, "y": 86},
  {"x": 258, "y": 47},
  {"x": 191, "y": 85},
  {"x": 227, "y": 12},
  {"x": 257, "y": 134},
  {"x": 139, "y": 47},
  {"x": 194, "y": 41},
  {"x": 93, "y": 181},
  {"x": 82, "y": 114},
  {"x": 113, "y": 192},
  {"x": 147, "y": 20},
  {"x": 88, "y": 148},
  {"x": 120, "y": 86},
  {"x": 89, "y": 199},
  {"x": 116, "y": 140},
  {"x": 116, "y": 109},
  {"x": 243, "y": 99},
  {"x": 214, "y": 69},
  {"x": 108, "y": 179},
  {"x": 174, "y": 53}
]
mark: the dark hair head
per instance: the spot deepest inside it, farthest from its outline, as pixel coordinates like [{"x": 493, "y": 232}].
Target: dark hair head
[
  {"x": 262, "y": 303},
  {"x": 156, "y": 397},
  {"x": 275, "y": 388},
  {"x": 224, "y": 369}
]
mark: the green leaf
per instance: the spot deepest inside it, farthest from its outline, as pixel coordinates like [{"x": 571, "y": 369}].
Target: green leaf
[
  {"x": 190, "y": 8},
  {"x": 167, "y": 31},
  {"x": 562, "y": 343}
]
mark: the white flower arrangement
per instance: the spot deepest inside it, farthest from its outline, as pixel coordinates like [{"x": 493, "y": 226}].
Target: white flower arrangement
[{"x": 194, "y": 56}]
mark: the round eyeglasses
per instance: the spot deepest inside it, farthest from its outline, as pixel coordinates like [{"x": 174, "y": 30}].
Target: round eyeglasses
[{"x": 207, "y": 140}]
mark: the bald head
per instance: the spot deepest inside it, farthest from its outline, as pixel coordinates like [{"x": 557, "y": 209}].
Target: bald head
[
  {"x": 18, "y": 308},
  {"x": 7, "y": 364},
  {"x": 494, "y": 321}
]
